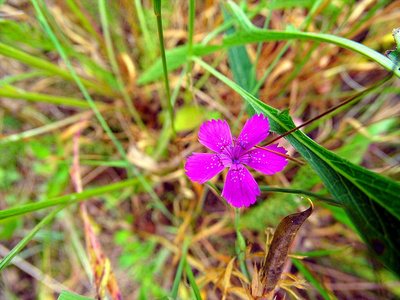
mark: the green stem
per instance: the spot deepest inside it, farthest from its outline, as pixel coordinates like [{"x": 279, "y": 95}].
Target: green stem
[
  {"x": 157, "y": 11},
  {"x": 241, "y": 246},
  {"x": 192, "y": 281},
  {"x": 297, "y": 191},
  {"x": 114, "y": 65},
  {"x": 305, "y": 23},
  {"x": 81, "y": 14},
  {"x": 310, "y": 277},
  {"x": 258, "y": 54},
  {"x": 148, "y": 40},
  {"x": 189, "y": 84},
  {"x": 165, "y": 135},
  {"x": 179, "y": 271},
  {"x": 36, "y": 97},
  {"x": 22, "y": 76},
  {"x": 192, "y": 11}
]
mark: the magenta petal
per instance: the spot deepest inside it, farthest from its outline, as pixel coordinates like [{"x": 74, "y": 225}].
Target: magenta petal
[
  {"x": 264, "y": 161},
  {"x": 203, "y": 166},
  {"x": 215, "y": 135},
  {"x": 240, "y": 188},
  {"x": 254, "y": 131}
]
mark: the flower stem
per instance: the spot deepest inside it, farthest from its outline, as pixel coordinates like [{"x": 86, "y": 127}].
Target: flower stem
[{"x": 241, "y": 247}]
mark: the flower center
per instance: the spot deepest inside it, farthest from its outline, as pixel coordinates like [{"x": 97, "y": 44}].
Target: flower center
[{"x": 235, "y": 161}]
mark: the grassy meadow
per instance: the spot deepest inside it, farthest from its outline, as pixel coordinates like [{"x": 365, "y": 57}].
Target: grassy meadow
[{"x": 101, "y": 104}]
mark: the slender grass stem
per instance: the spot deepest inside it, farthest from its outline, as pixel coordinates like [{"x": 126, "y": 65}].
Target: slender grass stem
[
  {"x": 83, "y": 17},
  {"x": 189, "y": 63},
  {"x": 305, "y": 58},
  {"x": 114, "y": 65},
  {"x": 192, "y": 281},
  {"x": 310, "y": 277},
  {"x": 157, "y": 11},
  {"x": 43, "y": 129},
  {"x": 22, "y": 76},
  {"x": 165, "y": 134},
  {"x": 329, "y": 200},
  {"x": 148, "y": 40},
  {"x": 192, "y": 12},
  {"x": 335, "y": 108},
  {"x": 179, "y": 271},
  {"x": 241, "y": 246},
  {"x": 36, "y": 97}
]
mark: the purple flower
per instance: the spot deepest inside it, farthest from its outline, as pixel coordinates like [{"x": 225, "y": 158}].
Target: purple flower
[{"x": 240, "y": 188}]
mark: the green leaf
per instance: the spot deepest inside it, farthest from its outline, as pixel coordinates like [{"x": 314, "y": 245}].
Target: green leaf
[
  {"x": 187, "y": 118},
  {"x": 310, "y": 277},
  {"x": 8, "y": 227},
  {"x": 258, "y": 35},
  {"x": 16, "y": 32},
  {"x": 371, "y": 200},
  {"x": 69, "y": 296},
  {"x": 178, "y": 56}
]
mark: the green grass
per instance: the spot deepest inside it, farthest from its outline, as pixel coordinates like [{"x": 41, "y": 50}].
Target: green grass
[{"x": 110, "y": 97}]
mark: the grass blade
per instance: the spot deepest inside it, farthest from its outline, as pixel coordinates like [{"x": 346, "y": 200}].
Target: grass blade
[
  {"x": 192, "y": 281},
  {"x": 324, "y": 293},
  {"x": 46, "y": 220},
  {"x": 68, "y": 199},
  {"x": 179, "y": 271}
]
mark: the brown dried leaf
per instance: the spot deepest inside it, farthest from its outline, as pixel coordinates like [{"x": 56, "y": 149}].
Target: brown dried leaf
[{"x": 283, "y": 238}]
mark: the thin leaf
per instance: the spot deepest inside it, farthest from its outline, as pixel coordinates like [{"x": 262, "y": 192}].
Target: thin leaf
[
  {"x": 192, "y": 280},
  {"x": 70, "y": 296},
  {"x": 258, "y": 35},
  {"x": 46, "y": 220},
  {"x": 37, "y": 97},
  {"x": 179, "y": 271},
  {"x": 178, "y": 56},
  {"x": 328, "y": 200},
  {"x": 324, "y": 293},
  {"x": 68, "y": 199}
]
